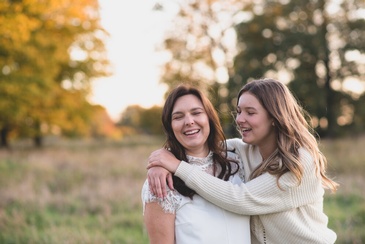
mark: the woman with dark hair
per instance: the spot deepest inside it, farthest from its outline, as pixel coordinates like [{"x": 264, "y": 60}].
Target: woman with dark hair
[
  {"x": 194, "y": 135},
  {"x": 280, "y": 155}
]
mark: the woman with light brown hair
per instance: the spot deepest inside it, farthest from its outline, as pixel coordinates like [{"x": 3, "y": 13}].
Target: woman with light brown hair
[{"x": 280, "y": 154}]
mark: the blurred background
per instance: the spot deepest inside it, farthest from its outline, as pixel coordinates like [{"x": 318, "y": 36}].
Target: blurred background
[{"x": 82, "y": 84}]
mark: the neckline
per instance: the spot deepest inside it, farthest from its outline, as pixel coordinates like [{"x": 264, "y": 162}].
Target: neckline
[{"x": 199, "y": 160}]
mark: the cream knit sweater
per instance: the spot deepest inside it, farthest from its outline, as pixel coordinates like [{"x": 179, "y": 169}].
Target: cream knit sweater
[{"x": 290, "y": 215}]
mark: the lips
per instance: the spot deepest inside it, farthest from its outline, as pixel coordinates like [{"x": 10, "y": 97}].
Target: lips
[
  {"x": 191, "y": 132},
  {"x": 245, "y": 129}
]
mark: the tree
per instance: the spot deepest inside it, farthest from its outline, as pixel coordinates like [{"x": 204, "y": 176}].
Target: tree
[
  {"x": 199, "y": 44},
  {"x": 151, "y": 120},
  {"x": 314, "y": 46},
  {"x": 302, "y": 44},
  {"x": 142, "y": 120},
  {"x": 49, "y": 53},
  {"x": 102, "y": 126}
]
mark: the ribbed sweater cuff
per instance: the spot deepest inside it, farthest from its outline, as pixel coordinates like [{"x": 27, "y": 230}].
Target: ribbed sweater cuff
[{"x": 184, "y": 170}]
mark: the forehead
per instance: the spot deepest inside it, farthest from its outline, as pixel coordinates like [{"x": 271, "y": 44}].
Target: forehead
[
  {"x": 187, "y": 102},
  {"x": 247, "y": 100}
]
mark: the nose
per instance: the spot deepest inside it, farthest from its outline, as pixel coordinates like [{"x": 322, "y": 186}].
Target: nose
[
  {"x": 189, "y": 120},
  {"x": 240, "y": 118}
]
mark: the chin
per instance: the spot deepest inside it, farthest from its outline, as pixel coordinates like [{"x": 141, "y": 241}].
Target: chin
[{"x": 246, "y": 140}]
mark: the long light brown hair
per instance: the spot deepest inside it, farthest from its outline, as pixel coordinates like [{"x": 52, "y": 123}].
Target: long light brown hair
[{"x": 293, "y": 132}]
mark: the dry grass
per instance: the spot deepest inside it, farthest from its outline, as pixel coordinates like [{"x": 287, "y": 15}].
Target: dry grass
[
  {"x": 78, "y": 181},
  {"x": 89, "y": 192},
  {"x": 346, "y": 163}
]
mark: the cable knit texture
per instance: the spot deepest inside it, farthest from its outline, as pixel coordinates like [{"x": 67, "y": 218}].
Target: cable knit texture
[{"x": 292, "y": 214}]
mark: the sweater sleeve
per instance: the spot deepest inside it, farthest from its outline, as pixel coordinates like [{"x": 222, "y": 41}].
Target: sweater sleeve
[{"x": 258, "y": 196}]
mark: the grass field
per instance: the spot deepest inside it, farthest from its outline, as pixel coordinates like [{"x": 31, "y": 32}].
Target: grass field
[{"x": 89, "y": 192}]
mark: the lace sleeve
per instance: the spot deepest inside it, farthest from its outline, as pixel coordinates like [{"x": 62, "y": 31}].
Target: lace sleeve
[{"x": 169, "y": 205}]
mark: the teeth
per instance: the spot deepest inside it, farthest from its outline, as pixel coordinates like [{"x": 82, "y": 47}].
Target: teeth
[
  {"x": 191, "y": 132},
  {"x": 244, "y": 130}
]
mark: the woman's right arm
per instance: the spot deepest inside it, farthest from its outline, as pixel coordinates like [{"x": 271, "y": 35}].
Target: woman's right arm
[
  {"x": 159, "y": 215},
  {"x": 159, "y": 224}
]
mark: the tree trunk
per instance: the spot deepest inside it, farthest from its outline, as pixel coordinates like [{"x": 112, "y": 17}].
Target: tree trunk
[
  {"x": 4, "y": 132},
  {"x": 331, "y": 117},
  {"x": 38, "y": 141},
  {"x": 330, "y": 95}
]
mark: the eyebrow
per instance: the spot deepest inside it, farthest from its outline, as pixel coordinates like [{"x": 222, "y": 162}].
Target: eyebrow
[
  {"x": 193, "y": 109},
  {"x": 244, "y": 108}
]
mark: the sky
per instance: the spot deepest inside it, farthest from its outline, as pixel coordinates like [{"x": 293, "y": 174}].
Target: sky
[{"x": 134, "y": 31}]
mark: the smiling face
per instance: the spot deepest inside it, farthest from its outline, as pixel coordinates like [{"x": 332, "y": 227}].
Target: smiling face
[
  {"x": 190, "y": 124},
  {"x": 255, "y": 124}
]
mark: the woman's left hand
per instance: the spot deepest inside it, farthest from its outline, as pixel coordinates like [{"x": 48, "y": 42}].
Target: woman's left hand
[
  {"x": 158, "y": 177},
  {"x": 164, "y": 158}
]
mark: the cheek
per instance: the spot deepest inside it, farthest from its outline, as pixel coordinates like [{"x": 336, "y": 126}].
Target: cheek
[
  {"x": 207, "y": 126},
  {"x": 269, "y": 128},
  {"x": 264, "y": 124},
  {"x": 207, "y": 131},
  {"x": 175, "y": 125}
]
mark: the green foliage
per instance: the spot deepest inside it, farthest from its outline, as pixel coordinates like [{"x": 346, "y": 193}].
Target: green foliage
[
  {"x": 143, "y": 120},
  {"x": 297, "y": 38},
  {"x": 302, "y": 43},
  {"x": 151, "y": 119}
]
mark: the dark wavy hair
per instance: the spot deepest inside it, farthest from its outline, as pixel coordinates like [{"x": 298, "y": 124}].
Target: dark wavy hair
[{"x": 216, "y": 139}]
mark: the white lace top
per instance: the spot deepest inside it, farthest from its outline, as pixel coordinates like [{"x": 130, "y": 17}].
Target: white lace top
[{"x": 199, "y": 221}]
